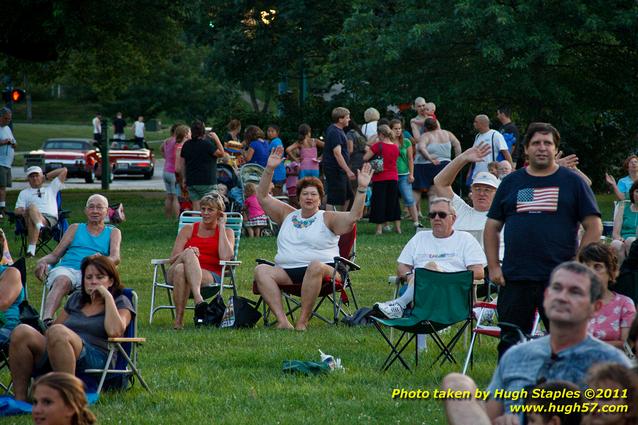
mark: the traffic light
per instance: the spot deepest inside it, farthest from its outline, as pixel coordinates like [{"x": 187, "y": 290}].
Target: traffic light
[{"x": 13, "y": 95}]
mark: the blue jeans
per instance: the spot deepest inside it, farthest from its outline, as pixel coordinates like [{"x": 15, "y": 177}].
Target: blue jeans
[{"x": 405, "y": 189}]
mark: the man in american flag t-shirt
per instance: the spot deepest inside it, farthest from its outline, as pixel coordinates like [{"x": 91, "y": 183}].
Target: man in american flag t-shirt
[{"x": 541, "y": 208}]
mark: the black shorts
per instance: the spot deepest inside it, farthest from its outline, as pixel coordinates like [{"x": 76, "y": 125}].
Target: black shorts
[
  {"x": 338, "y": 190},
  {"x": 297, "y": 274},
  {"x": 424, "y": 174}
]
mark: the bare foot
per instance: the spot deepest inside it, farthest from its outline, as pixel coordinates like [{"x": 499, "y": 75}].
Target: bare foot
[
  {"x": 178, "y": 326},
  {"x": 286, "y": 326},
  {"x": 300, "y": 327}
]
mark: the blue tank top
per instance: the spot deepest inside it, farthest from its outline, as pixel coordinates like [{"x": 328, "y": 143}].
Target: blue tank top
[
  {"x": 85, "y": 244},
  {"x": 11, "y": 316}
]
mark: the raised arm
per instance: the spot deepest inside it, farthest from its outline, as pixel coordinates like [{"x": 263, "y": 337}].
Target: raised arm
[
  {"x": 226, "y": 245},
  {"x": 342, "y": 222},
  {"x": 274, "y": 208},
  {"x": 60, "y": 173},
  {"x": 612, "y": 182},
  {"x": 115, "y": 321},
  {"x": 444, "y": 180}
]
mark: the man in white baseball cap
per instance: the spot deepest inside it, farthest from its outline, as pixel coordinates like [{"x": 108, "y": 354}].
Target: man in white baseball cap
[
  {"x": 469, "y": 218},
  {"x": 37, "y": 203}
]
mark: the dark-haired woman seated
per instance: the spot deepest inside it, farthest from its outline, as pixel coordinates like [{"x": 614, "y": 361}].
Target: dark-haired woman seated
[
  {"x": 307, "y": 241},
  {"x": 78, "y": 338}
]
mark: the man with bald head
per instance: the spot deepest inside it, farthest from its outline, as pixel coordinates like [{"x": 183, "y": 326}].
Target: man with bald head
[
  {"x": 493, "y": 139},
  {"x": 78, "y": 242}
]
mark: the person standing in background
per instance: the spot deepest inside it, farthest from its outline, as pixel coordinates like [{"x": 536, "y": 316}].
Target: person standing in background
[
  {"x": 512, "y": 137},
  {"x": 97, "y": 127},
  {"x": 119, "y": 124},
  {"x": 7, "y": 152},
  {"x": 138, "y": 130}
]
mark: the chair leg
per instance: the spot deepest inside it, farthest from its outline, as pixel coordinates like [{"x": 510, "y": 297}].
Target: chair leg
[
  {"x": 393, "y": 351},
  {"x": 133, "y": 366},
  {"x": 107, "y": 365},
  {"x": 470, "y": 355}
]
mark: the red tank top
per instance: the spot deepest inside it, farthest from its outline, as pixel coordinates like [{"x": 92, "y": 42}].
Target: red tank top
[{"x": 208, "y": 249}]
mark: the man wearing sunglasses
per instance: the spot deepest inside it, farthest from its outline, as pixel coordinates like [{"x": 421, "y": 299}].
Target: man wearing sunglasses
[
  {"x": 442, "y": 249},
  {"x": 571, "y": 300},
  {"x": 38, "y": 204}
]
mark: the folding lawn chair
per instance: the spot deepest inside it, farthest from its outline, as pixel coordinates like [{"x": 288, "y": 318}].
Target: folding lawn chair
[
  {"x": 160, "y": 266},
  {"x": 338, "y": 282},
  {"x": 487, "y": 324},
  {"x": 124, "y": 351},
  {"x": 440, "y": 301},
  {"x": 47, "y": 234}
]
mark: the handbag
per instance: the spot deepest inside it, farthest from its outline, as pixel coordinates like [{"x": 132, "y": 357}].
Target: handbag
[
  {"x": 214, "y": 313},
  {"x": 29, "y": 316},
  {"x": 377, "y": 161},
  {"x": 240, "y": 312}
]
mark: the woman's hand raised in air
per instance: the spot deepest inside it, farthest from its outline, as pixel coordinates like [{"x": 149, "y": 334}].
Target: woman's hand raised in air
[
  {"x": 364, "y": 175},
  {"x": 275, "y": 158}
]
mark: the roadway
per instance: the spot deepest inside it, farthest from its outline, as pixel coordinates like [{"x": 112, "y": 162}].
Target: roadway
[{"x": 119, "y": 183}]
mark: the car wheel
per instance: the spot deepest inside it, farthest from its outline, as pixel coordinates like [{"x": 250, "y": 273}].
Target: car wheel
[{"x": 89, "y": 176}]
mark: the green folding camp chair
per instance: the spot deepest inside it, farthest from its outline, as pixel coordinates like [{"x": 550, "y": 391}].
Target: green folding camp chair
[
  {"x": 440, "y": 301},
  {"x": 160, "y": 266}
]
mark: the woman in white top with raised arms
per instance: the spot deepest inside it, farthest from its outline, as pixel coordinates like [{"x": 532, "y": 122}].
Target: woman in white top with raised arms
[{"x": 307, "y": 242}]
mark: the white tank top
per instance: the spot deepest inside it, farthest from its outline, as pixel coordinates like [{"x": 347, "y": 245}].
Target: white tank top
[{"x": 302, "y": 240}]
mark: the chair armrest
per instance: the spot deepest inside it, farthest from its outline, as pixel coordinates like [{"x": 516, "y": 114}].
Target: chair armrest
[
  {"x": 229, "y": 263},
  {"x": 158, "y": 261},
  {"x": 262, "y": 261},
  {"x": 135, "y": 340},
  {"x": 347, "y": 262}
]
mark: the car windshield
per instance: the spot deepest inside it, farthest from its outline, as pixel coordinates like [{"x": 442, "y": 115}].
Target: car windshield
[
  {"x": 126, "y": 144},
  {"x": 67, "y": 145}
]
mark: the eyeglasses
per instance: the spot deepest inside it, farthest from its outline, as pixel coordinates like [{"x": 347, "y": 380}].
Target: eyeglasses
[
  {"x": 441, "y": 214},
  {"x": 544, "y": 372}
]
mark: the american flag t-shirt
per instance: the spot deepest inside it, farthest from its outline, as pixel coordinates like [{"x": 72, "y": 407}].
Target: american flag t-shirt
[{"x": 537, "y": 199}]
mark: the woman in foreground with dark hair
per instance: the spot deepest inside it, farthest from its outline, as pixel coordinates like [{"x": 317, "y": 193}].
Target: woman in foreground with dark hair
[{"x": 78, "y": 337}]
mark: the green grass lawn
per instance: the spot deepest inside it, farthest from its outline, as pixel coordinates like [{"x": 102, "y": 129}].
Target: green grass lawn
[{"x": 234, "y": 376}]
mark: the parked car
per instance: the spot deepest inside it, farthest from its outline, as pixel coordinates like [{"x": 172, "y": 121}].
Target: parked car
[
  {"x": 132, "y": 158},
  {"x": 79, "y": 156}
]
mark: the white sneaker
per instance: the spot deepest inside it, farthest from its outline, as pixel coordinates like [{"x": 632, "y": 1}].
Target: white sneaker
[{"x": 391, "y": 309}]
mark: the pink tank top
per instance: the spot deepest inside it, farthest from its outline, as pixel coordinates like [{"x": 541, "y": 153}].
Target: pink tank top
[
  {"x": 308, "y": 158},
  {"x": 208, "y": 249}
]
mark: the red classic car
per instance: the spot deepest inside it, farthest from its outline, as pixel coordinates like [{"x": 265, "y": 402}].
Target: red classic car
[
  {"x": 79, "y": 156},
  {"x": 131, "y": 158}
]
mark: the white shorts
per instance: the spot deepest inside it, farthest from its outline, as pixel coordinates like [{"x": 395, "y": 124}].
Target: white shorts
[{"x": 75, "y": 276}]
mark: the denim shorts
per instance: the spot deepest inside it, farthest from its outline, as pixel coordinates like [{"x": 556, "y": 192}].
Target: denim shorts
[
  {"x": 405, "y": 189},
  {"x": 170, "y": 183},
  {"x": 90, "y": 357},
  {"x": 308, "y": 173}
]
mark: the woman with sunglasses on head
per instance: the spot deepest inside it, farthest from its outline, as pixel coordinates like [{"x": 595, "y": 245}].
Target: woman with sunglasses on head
[
  {"x": 612, "y": 321},
  {"x": 307, "y": 241},
  {"x": 59, "y": 399},
  {"x": 78, "y": 338},
  {"x": 196, "y": 254}
]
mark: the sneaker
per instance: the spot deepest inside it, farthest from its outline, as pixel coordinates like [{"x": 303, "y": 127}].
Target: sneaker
[
  {"x": 391, "y": 309},
  {"x": 200, "y": 313},
  {"x": 387, "y": 229}
]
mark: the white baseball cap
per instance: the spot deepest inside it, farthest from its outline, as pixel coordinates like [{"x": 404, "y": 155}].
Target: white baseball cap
[
  {"x": 34, "y": 169},
  {"x": 487, "y": 179}
]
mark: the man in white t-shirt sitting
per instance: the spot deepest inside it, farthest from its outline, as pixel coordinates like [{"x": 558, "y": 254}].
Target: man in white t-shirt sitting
[
  {"x": 38, "y": 204},
  {"x": 493, "y": 139},
  {"x": 442, "y": 249}
]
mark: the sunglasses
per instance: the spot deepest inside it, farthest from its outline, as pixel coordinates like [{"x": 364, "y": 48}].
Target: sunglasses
[
  {"x": 441, "y": 214},
  {"x": 39, "y": 193}
]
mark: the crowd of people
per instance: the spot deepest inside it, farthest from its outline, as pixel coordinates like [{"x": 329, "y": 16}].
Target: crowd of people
[{"x": 530, "y": 213}]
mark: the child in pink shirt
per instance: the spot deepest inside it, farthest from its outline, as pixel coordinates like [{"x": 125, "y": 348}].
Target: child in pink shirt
[{"x": 254, "y": 216}]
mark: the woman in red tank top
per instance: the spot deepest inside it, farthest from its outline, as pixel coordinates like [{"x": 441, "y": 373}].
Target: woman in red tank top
[{"x": 196, "y": 254}]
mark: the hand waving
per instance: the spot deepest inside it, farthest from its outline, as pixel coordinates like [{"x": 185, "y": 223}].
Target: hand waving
[
  {"x": 275, "y": 158},
  {"x": 477, "y": 153},
  {"x": 610, "y": 180},
  {"x": 364, "y": 175},
  {"x": 570, "y": 161}
]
